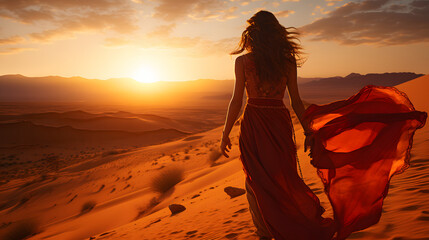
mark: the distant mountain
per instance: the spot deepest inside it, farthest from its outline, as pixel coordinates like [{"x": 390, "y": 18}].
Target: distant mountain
[
  {"x": 18, "y": 88},
  {"x": 329, "y": 89},
  {"x": 206, "y": 92},
  {"x": 358, "y": 80}
]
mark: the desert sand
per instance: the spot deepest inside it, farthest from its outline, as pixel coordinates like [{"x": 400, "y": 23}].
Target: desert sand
[{"x": 109, "y": 196}]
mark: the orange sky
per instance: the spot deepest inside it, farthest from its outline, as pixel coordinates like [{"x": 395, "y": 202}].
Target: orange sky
[{"x": 174, "y": 40}]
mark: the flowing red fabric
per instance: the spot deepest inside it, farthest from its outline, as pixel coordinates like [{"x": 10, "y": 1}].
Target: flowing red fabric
[{"x": 360, "y": 143}]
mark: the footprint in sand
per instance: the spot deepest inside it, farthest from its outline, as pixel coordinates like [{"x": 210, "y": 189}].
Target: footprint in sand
[
  {"x": 421, "y": 168},
  {"x": 159, "y": 220},
  {"x": 101, "y": 188},
  {"x": 176, "y": 232},
  {"x": 241, "y": 210},
  {"x": 317, "y": 190},
  {"x": 424, "y": 191},
  {"x": 423, "y": 218},
  {"x": 417, "y": 161},
  {"x": 231, "y": 235},
  {"x": 410, "y": 208},
  {"x": 388, "y": 228},
  {"x": 196, "y": 195},
  {"x": 191, "y": 233},
  {"x": 104, "y": 234},
  {"x": 73, "y": 198}
]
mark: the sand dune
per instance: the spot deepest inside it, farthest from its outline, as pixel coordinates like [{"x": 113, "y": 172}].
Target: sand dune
[
  {"x": 27, "y": 149},
  {"x": 27, "y": 133},
  {"x": 121, "y": 121},
  {"x": 123, "y": 207},
  {"x": 417, "y": 91}
]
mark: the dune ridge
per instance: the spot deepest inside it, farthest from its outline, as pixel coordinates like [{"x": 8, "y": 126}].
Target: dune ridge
[
  {"x": 120, "y": 120},
  {"x": 116, "y": 186}
]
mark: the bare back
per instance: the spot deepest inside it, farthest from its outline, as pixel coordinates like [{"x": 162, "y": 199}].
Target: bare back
[{"x": 257, "y": 89}]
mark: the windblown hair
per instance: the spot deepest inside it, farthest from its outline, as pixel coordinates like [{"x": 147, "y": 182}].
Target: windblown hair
[{"x": 273, "y": 46}]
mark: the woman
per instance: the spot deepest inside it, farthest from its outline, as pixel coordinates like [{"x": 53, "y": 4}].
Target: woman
[{"x": 380, "y": 120}]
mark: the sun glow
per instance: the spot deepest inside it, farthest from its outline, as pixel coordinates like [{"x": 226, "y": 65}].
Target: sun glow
[{"x": 146, "y": 74}]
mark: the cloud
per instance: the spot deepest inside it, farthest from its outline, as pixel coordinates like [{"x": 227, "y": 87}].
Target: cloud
[
  {"x": 319, "y": 9},
  {"x": 162, "y": 38},
  {"x": 11, "y": 40},
  {"x": 95, "y": 21},
  {"x": 162, "y": 31},
  {"x": 284, "y": 13},
  {"x": 30, "y": 11},
  {"x": 116, "y": 42},
  {"x": 13, "y": 50},
  {"x": 219, "y": 47},
  {"x": 65, "y": 18},
  {"x": 173, "y": 10},
  {"x": 377, "y": 22}
]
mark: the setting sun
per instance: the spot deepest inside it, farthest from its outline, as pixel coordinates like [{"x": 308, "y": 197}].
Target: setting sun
[{"x": 146, "y": 74}]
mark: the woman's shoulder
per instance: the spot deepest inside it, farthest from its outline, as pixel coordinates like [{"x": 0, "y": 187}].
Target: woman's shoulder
[
  {"x": 246, "y": 58},
  {"x": 242, "y": 60},
  {"x": 247, "y": 55}
]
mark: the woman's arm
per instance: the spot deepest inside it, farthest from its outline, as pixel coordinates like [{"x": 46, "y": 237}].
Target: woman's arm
[
  {"x": 298, "y": 107},
  {"x": 295, "y": 99},
  {"x": 234, "y": 105}
]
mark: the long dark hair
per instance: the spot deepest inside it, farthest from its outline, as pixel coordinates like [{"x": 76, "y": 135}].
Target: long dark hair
[{"x": 272, "y": 45}]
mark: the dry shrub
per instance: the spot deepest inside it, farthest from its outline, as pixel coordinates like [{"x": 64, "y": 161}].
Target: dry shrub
[
  {"x": 114, "y": 152},
  {"x": 22, "y": 230},
  {"x": 214, "y": 155},
  {"x": 166, "y": 179},
  {"x": 87, "y": 207},
  {"x": 152, "y": 203}
]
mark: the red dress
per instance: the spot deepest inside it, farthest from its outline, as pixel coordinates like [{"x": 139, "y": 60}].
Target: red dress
[{"x": 355, "y": 174}]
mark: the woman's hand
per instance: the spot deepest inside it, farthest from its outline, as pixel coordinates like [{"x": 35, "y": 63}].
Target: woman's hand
[
  {"x": 308, "y": 144},
  {"x": 224, "y": 144}
]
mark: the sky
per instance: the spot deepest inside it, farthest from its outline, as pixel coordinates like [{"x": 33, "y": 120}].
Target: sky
[{"x": 178, "y": 40}]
